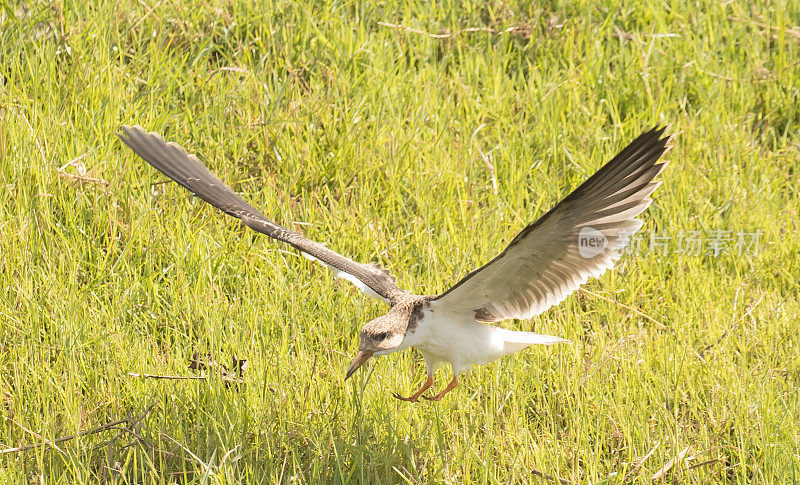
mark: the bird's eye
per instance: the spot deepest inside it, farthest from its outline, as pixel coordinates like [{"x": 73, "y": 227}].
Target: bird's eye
[{"x": 382, "y": 335}]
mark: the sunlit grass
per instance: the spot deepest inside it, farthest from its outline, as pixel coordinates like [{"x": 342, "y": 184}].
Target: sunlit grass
[{"x": 377, "y": 142}]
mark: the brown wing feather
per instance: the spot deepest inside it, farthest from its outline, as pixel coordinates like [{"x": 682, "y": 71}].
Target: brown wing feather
[
  {"x": 545, "y": 262},
  {"x": 188, "y": 171}
]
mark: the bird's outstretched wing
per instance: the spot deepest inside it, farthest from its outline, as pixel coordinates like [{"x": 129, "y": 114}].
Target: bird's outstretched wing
[
  {"x": 189, "y": 172},
  {"x": 579, "y": 238}
]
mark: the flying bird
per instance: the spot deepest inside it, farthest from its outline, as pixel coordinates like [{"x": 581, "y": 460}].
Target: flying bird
[{"x": 579, "y": 238}]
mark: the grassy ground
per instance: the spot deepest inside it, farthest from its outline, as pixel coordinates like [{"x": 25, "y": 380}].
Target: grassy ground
[{"x": 375, "y": 140}]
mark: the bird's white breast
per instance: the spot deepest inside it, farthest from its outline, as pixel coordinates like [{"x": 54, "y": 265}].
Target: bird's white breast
[{"x": 455, "y": 338}]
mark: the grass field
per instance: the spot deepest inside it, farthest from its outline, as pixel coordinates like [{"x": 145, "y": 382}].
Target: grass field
[{"x": 426, "y": 154}]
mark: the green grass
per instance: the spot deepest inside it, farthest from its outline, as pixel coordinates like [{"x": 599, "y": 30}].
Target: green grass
[{"x": 370, "y": 139}]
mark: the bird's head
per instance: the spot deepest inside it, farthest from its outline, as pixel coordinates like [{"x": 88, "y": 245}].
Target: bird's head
[{"x": 380, "y": 336}]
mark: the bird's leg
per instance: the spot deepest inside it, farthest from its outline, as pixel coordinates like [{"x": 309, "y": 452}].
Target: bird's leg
[
  {"x": 447, "y": 389},
  {"x": 415, "y": 397}
]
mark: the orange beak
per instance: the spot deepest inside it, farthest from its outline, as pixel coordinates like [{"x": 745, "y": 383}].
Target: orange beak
[{"x": 361, "y": 357}]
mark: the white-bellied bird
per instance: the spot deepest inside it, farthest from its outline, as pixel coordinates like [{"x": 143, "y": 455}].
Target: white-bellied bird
[{"x": 579, "y": 238}]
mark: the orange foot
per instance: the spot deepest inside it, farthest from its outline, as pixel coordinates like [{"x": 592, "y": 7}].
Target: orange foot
[
  {"x": 415, "y": 397},
  {"x": 447, "y": 389}
]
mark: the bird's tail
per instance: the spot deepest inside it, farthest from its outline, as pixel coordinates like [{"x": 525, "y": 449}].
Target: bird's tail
[{"x": 515, "y": 341}]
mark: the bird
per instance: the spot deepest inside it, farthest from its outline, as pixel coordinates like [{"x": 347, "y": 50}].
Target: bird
[{"x": 581, "y": 237}]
